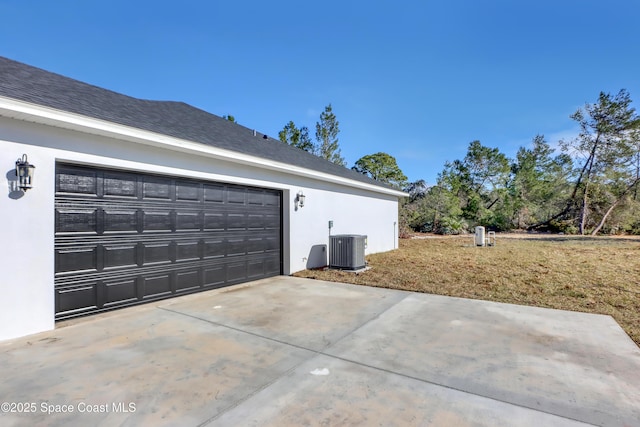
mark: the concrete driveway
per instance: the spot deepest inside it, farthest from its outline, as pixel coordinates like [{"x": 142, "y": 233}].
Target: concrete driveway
[{"x": 289, "y": 351}]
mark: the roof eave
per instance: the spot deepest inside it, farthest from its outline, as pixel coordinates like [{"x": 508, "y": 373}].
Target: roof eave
[{"x": 35, "y": 113}]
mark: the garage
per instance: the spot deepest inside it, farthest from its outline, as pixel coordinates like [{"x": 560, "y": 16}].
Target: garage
[
  {"x": 129, "y": 200},
  {"x": 125, "y": 238}
]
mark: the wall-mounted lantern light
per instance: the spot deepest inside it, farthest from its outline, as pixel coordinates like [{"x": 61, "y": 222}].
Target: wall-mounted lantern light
[
  {"x": 24, "y": 172},
  {"x": 300, "y": 197}
]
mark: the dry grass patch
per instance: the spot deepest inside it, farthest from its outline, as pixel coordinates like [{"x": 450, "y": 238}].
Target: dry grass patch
[{"x": 589, "y": 274}]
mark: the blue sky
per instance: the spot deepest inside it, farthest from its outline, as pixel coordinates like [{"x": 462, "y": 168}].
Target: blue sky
[{"x": 416, "y": 79}]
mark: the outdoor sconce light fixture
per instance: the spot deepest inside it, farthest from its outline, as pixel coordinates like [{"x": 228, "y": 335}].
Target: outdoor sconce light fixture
[
  {"x": 24, "y": 173},
  {"x": 300, "y": 199}
]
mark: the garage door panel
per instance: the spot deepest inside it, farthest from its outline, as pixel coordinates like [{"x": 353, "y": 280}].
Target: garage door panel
[
  {"x": 77, "y": 259},
  {"x": 215, "y": 275},
  {"x": 188, "y": 251},
  {"x": 236, "y": 221},
  {"x": 156, "y": 188},
  {"x": 157, "y": 221},
  {"x": 120, "y": 291},
  {"x": 214, "y": 193},
  {"x": 76, "y": 181},
  {"x": 120, "y": 220},
  {"x": 256, "y": 221},
  {"x": 255, "y": 268},
  {"x": 156, "y": 285},
  {"x": 272, "y": 221},
  {"x": 188, "y": 191},
  {"x": 236, "y": 247},
  {"x": 236, "y": 271},
  {"x": 214, "y": 221},
  {"x": 214, "y": 248},
  {"x": 77, "y": 298},
  {"x": 271, "y": 199},
  {"x": 118, "y": 256},
  {"x": 121, "y": 185},
  {"x": 236, "y": 195},
  {"x": 187, "y": 221},
  {"x": 271, "y": 244},
  {"x": 125, "y": 238},
  {"x": 76, "y": 220},
  {"x": 255, "y": 245},
  {"x": 272, "y": 266},
  {"x": 255, "y": 197},
  {"x": 187, "y": 280},
  {"x": 156, "y": 253}
]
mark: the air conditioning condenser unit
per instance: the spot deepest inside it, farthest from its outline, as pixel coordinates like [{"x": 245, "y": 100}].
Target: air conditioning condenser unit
[{"x": 346, "y": 251}]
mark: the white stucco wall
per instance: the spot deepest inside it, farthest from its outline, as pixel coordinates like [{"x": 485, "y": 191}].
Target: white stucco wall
[
  {"x": 27, "y": 235},
  {"x": 352, "y": 212},
  {"x": 27, "y": 222}
]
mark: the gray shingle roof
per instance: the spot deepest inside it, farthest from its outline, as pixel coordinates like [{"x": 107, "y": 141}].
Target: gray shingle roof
[{"x": 177, "y": 119}]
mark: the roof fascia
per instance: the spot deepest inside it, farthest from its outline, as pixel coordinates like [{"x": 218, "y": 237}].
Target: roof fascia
[{"x": 35, "y": 113}]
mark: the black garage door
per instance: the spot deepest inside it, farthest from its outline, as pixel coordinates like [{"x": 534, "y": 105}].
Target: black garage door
[{"x": 127, "y": 238}]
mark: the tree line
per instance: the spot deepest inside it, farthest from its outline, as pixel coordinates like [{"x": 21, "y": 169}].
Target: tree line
[{"x": 590, "y": 186}]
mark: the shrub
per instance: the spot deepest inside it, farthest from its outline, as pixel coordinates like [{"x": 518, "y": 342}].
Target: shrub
[{"x": 449, "y": 225}]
